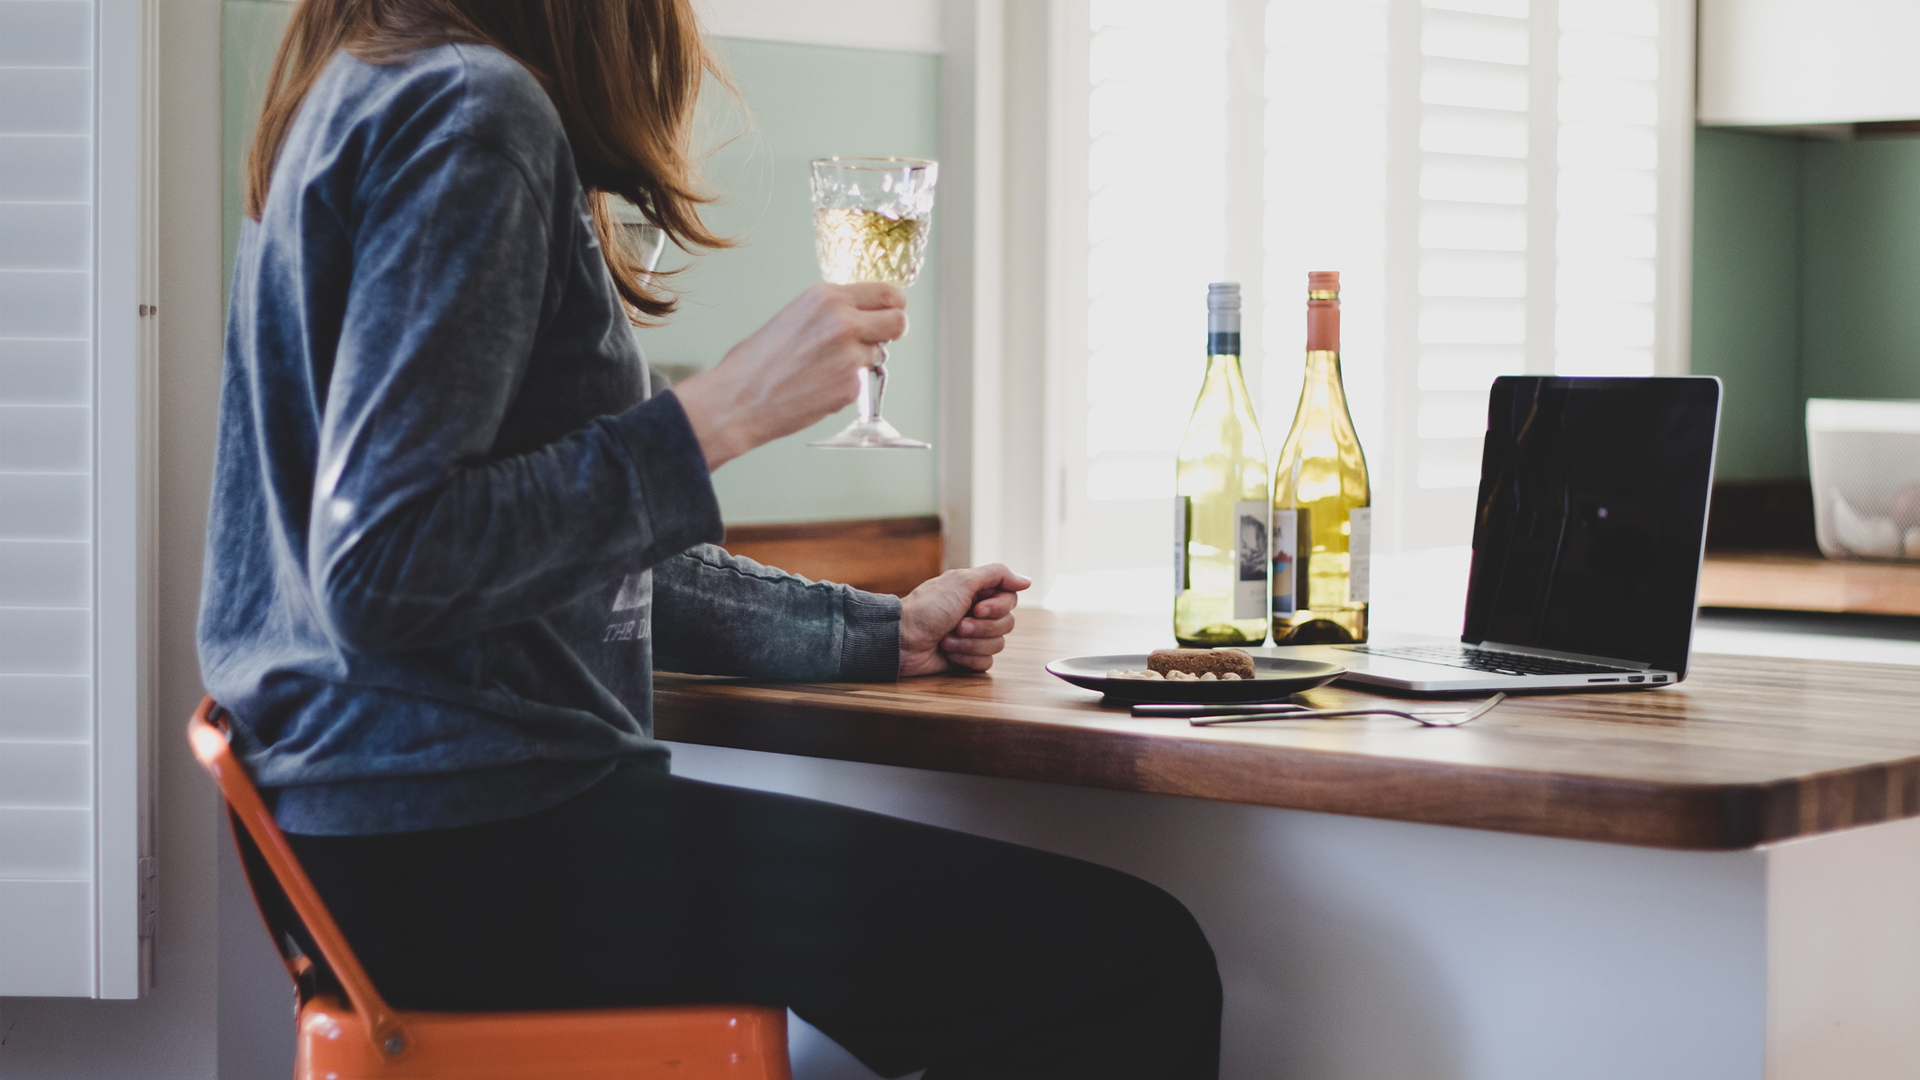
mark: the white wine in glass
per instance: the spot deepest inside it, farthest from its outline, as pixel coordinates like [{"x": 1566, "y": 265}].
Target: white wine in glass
[
  {"x": 870, "y": 223},
  {"x": 865, "y": 245}
]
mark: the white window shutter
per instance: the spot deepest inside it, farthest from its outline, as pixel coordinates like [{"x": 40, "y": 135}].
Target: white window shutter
[
  {"x": 76, "y": 343},
  {"x": 1498, "y": 182}
]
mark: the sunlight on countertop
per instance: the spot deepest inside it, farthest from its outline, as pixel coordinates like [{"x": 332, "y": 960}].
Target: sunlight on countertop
[
  {"x": 1860, "y": 639},
  {"x": 1424, "y": 592},
  {"x": 1417, "y": 592}
]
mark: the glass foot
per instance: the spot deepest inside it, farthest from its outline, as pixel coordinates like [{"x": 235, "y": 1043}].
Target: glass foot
[{"x": 874, "y": 434}]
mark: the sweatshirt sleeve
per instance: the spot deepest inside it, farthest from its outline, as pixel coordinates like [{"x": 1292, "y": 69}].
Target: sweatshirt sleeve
[
  {"x": 416, "y": 536},
  {"x": 721, "y": 614}
]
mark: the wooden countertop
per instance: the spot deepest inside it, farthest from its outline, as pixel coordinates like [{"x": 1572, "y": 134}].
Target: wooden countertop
[
  {"x": 1802, "y": 581},
  {"x": 1746, "y": 751}
]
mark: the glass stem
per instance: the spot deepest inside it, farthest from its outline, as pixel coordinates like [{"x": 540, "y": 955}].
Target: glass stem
[{"x": 873, "y": 384}]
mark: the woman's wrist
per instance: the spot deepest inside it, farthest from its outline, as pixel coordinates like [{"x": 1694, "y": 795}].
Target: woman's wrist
[{"x": 716, "y": 416}]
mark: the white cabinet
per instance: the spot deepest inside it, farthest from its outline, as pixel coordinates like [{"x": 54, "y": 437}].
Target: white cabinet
[
  {"x": 1791, "y": 62},
  {"x": 76, "y": 341}
]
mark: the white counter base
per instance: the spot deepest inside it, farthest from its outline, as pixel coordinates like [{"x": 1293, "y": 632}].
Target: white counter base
[{"x": 1356, "y": 949}]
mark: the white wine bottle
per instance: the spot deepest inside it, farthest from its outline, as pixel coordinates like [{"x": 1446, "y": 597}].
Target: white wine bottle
[
  {"x": 1220, "y": 501},
  {"x": 1322, "y": 516}
]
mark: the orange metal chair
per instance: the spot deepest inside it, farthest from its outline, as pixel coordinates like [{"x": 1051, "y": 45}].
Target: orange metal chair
[{"x": 365, "y": 1039}]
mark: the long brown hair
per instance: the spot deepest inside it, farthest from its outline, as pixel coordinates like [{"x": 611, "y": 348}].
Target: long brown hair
[{"x": 624, "y": 75}]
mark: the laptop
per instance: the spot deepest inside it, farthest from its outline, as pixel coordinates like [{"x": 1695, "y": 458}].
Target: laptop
[{"x": 1587, "y": 540}]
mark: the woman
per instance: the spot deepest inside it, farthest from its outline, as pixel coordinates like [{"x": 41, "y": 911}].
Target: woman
[{"x": 452, "y": 532}]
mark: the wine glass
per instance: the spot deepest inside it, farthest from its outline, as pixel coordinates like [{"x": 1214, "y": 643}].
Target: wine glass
[
  {"x": 644, "y": 240},
  {"x": 870, "y": 223},
  {"x": 648, "y": 241}
]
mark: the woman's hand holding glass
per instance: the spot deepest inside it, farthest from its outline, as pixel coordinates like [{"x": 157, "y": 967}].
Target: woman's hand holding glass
[{"x": 801, "y": 367}]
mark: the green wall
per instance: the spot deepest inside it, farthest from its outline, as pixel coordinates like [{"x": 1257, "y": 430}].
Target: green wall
[
  {"x": 1860, "y": 269},
  {"x": 809, "y": 101},
  {"x": 1746, "y": 287},
  {"x": 1806, "y": 283},
  {"x": 249, "y": 34},
  {"x": 801, "y": 102}
]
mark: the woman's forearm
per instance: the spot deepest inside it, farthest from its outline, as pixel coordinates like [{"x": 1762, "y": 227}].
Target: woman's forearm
[{"x": 720, "y": 614}]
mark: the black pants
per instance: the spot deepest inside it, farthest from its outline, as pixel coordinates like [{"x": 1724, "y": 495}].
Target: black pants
[{"x": 911, "y": 946}]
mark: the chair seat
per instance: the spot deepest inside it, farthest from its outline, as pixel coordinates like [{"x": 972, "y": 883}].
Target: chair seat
[{"x": 694, "y": 1042}]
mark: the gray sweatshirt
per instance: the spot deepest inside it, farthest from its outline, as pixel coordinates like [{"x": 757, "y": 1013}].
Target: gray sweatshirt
[{"x": 451, "y": 533}]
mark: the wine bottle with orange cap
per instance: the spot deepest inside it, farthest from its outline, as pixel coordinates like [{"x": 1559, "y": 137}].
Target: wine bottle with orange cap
[{"x": 1322, "y": 501}]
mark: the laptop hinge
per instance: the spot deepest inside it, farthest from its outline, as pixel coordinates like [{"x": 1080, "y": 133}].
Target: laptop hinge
[{"x": 1557, "y": 654}]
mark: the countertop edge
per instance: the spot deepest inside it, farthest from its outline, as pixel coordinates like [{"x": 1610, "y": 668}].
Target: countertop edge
[{"x": 1678, "y": 816}]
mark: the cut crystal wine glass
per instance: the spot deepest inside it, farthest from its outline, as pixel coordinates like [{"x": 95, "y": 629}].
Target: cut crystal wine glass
[{"x": 870, "y": 222}]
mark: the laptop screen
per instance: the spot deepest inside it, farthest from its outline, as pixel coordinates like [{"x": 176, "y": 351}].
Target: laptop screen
[{"x": 1592, "y": 514}]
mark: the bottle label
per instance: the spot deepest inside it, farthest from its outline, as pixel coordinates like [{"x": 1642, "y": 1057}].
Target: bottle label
[
  {"x": 1182, "y": 530},
  {"x": 1289, "y": 565},
  {"x": 1250, "y": 578},
  {"x": 1359, "y": 554}
]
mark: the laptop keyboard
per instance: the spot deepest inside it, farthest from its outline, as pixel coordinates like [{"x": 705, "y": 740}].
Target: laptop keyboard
[{"x": 1488, "y": 660}]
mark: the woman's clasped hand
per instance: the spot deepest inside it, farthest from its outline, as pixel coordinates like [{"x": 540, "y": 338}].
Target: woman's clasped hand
[{"x": 958, "y": 620}]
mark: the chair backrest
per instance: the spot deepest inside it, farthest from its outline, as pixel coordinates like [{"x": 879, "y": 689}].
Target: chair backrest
[{"x": 208, "y": 733}]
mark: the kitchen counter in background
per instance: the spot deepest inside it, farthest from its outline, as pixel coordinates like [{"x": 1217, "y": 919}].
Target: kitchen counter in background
[{"x": 1808, "y": 581}]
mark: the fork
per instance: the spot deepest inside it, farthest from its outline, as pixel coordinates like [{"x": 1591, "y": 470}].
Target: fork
[{"x": 1425, "y": 719}]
